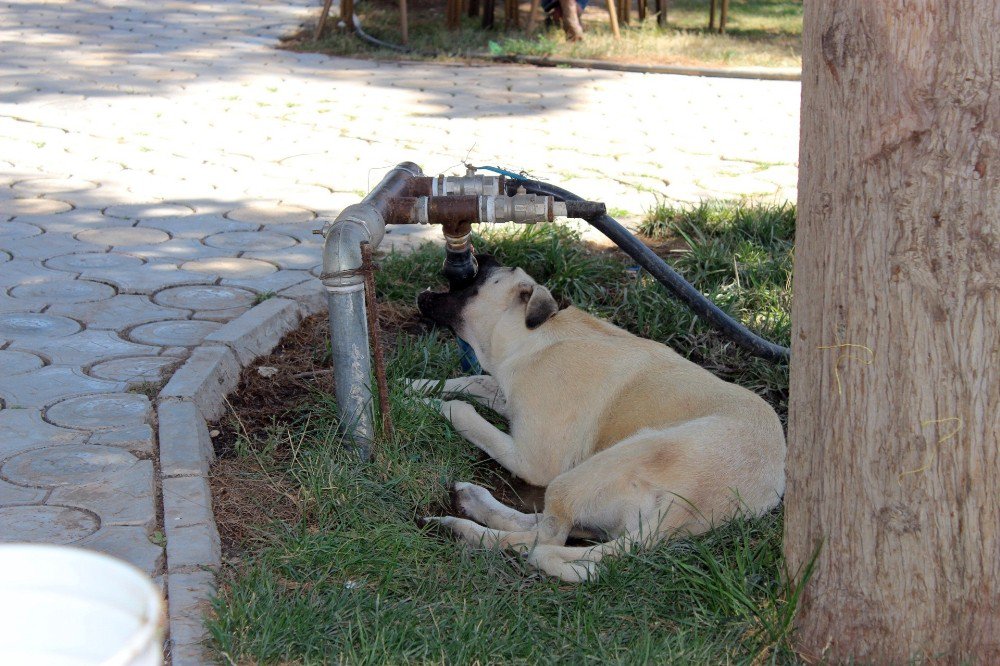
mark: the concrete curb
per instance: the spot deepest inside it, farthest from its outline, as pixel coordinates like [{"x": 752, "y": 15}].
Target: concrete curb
[
  {"x": 195, "y": 395},
  {"x": 759, "y": 73}
]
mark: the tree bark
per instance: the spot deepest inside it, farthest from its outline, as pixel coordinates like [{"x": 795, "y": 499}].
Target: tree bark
[
  {"x": 571, "y": 20},
  {"x": 894, "y": 426}
]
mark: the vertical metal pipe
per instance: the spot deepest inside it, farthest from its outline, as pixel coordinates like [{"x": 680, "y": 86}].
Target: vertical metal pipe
[
  {"x": 352, "y": 364},
  {"x": 351, "y": 357}
]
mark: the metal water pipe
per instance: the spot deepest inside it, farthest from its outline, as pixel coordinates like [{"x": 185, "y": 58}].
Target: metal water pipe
[{"x": 351, "y": 356}]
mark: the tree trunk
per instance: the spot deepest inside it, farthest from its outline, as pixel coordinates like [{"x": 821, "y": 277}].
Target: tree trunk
[
  {"x": 571, "y": 20},
  {"x": 894, "y": 426}
]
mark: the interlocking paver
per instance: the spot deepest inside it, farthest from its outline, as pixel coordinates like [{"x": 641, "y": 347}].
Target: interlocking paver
[
  {"x": 84, "y": 348},
  {"x": 16, "y": 362},
  {"x": 12, "y": 208},
  {"x": 173, "y": 333},
  {"x": 58, "y": 466},
  {"x": 200, "y": 226},
  {"x": 232, "y": 268},
  {"x": 153, "y": 276},
  {"x": 62, "y": 291},
  {"x": 25, "y": 429},
  {"x": 119, "y": 313},
  {"x": 47, "y": 245},
  {"x": 134, "y": 369},
  {"x": 44, "y": 386},
  {"x": 12, "y": 495},
  {"x": 125, "y": 497},
  {"x": 250, "y": 240},
  {"x": 49, "y": 524},
  {"x": 124, "y": 236},
  {"x": 271, "y": 283},
  {"x": 137, "y": 439},
  {"x": 12, "y": 231},
  {"x": 163, "y": 150},
  {"x": 100, "y": 412},
  {"x": 129, "y": 543},
  {"x": 32, "y": 327},
  {"x": 207, "y": 297}
]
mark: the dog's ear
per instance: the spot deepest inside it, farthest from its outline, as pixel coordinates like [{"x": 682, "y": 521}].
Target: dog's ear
[{"x": 541, "y": 305}]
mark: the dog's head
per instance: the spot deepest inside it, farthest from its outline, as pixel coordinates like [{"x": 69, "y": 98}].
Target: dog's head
[{"x": 501, "y": 300}]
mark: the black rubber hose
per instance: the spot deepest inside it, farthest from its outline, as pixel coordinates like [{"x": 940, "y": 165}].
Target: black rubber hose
[
  {"x": 360, "y": 32},
  {"x": 665, "y": 275}
]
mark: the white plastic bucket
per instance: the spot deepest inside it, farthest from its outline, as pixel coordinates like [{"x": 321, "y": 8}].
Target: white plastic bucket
[{"x": 62, "y": 606}]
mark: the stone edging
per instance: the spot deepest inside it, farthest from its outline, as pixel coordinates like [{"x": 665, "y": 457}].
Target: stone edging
[
  {"x": 759, "y": 73},
  {"x": 195, "y": 395}
]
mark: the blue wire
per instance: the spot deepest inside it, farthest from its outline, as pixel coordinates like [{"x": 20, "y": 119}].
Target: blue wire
[{"x": 503, "y": 172}]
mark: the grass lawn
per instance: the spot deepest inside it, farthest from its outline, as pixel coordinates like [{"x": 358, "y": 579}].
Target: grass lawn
[
  {"x": 327, "y": 564},
  {"x": 761, "y": 33}
]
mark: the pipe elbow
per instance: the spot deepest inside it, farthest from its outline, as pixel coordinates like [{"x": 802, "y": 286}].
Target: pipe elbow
[{"x": 356, "y": 224}]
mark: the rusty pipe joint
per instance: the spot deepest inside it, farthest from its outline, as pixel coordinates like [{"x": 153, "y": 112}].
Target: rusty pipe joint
[{"x": 467, "y": 209}]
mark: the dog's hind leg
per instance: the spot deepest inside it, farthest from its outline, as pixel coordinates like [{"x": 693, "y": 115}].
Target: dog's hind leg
[
  {"x": 479, "y": 504},
  {"x": 483, "y": 388},
  {"x": 550, "y": 530}
]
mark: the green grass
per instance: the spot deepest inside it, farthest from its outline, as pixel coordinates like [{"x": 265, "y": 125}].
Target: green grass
[
  {"x": 357, "y": 581},
  {"x": 764, "y": 33}
]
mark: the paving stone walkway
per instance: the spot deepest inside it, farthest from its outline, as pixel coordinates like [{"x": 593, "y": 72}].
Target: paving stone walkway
[{"x": 163, "y": 166}]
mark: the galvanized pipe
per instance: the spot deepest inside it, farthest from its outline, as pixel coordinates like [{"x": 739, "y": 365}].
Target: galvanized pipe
[{"x": 344, "y": 282}]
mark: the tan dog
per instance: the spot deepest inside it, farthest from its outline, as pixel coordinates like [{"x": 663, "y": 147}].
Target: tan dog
[{"x": 631, "y": 440}]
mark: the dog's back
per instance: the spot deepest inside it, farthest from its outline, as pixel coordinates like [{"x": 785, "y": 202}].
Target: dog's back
[{"x": 587, "y": 385}]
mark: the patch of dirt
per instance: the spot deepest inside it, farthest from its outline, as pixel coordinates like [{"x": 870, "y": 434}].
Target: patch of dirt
[
  {"x": 259, "y": 400},
  {"x": 244, "y": 495},
  {"x": 245, "y": 500},
  {"x": 272, "y": 389}
]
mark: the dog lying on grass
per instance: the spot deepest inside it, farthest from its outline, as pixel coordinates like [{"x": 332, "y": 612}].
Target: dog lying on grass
[{"x": 633, "y": 442}]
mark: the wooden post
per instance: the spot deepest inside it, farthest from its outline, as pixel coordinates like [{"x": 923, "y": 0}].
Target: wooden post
[
  {"x": 711, "y": 15},
  {"x": 512, "y": 17},
  {"x": 641, "y": 8},
  {"x": 473, "y": 8},
  {"x": 723, "y": 16},
  {"x": 613, "y": 17},
  {"x": 347, "y": 12},
  {"x": 661, "y": 12},
  {"x": 571, "y": 20},
  {"x": 453, "y": 14},
  {"x": 323, "y": 16},
  {"x": 894, "y": 424},
  {"x": 489, "y": 14},
  {"x": 532, "y": 13},
  {"x": 625, "y": 11},
  {"x": 404, "y": 23}
]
